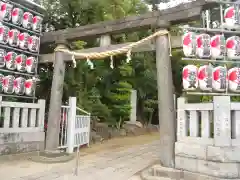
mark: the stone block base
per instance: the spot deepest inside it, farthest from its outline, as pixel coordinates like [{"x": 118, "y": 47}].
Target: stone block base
[
  {"x": 157, "y": 172},
  {"x": 206, "y": 152},
  {"x": 221, "y": 162},
  {"x": 217, "y": 169},
  {"x": 15, "y": 143}
]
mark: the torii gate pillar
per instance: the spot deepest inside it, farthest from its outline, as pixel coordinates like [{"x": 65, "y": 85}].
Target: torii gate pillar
[
  {"x": 167, "y": 119},
  {"x": 54, "y": 115}
]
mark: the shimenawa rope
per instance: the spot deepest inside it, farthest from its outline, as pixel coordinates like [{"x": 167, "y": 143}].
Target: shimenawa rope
[{"x": 126, "y": 49}]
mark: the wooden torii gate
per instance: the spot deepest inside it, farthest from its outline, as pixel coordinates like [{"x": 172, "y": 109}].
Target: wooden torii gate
[{"x": 160, "y": 20}]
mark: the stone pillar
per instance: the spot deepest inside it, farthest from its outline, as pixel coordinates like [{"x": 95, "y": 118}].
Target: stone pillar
[
  {"x": 222, "y": 120},
  {"x": 167, "y": 118},
  {"x": 105, "y": 40},
  {"x": 133, "y": 116},
  {"x": 54, "y": 115}
]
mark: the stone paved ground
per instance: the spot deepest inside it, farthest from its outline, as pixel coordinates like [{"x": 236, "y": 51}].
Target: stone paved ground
[{"x": 106, "y": 165}]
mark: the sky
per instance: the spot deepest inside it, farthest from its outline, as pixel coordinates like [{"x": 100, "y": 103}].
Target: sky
[{"x": 170, "y": 4}]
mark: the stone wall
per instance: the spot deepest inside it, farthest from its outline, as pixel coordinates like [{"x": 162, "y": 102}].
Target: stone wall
[
  {"x": 13, "y": 143},
  {"x": 200, "y": 148},
  {"x": 22, "y": 129}
]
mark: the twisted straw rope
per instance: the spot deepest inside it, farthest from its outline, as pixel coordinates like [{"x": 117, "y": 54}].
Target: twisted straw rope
[{"x": 101, "y": 55}]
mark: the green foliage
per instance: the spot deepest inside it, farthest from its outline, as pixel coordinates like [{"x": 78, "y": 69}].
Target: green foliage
[
  {"x": 206, "y": 99},
  {"x": 235, "y": 98},
  {"x": 119, "y": 95}
]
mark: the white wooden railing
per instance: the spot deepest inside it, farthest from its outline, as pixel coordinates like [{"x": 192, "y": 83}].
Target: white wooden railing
[
  {"x": 16, "y": 117},
  {"x": 216, "y": 123},
  {"x": 82, "y": 130},
  {"x": 74, "y": 128}
]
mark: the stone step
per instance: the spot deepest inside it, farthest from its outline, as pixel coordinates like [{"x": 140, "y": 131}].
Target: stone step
[
  {"x": 135, "y": 178},
  {"x": 149, "y": 177},
  {"x": 159, "y": 171},
  {"x": 156, "y": 172}
]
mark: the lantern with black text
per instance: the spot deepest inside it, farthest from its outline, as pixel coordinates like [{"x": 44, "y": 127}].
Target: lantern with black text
[
  {"x": 27, "y": 20},
  {"x": 17, "y": 16},
  {"x": 218, "y": 47},
  {"x": 234, "y": 79},
  {"x": 189, "y": 44},
  {"x": 33, "y": 43},
  {"x": 10, "y": 60},
  {"x": 20, "y": 62},
  {"x": 4, "y": 30},
  {"x": 13, "y": 35},
  {"x": 220, "y": 79},
  {"x": 8, "y": 82},
  {"x": 205, "y": 77},
  {"x": 19, "y": 86},
  {"x": 231, "y": 17},
  {"x": 30, "y": 86},
  {"x": 203, "y": 46},
  {"x": 31, "y": 64},
  {"x": 2, "y": 57},
  {"x": 37, "y": 23},
  {"x": 189, "y": 77},
  {"x": 1, "y": 82},
  {"x": 5, "y": 11},
  {"x": 23, "y": 40},
  {"x": 233, "y": 47}
]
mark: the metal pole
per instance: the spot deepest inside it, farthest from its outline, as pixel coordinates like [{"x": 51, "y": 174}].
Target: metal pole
[{"x": 77, "y": 161}]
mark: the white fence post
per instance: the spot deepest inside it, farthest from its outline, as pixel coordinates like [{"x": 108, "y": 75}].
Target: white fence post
[
  {"x": 71, "y": 124},
  {"x": 41, "y": 115},
  {"x": 181, "y": 119},
  {"x": 89, "y": 134}
]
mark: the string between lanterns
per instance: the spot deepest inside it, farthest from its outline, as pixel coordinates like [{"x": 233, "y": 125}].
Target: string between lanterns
[{"x": 126, "y": 49}]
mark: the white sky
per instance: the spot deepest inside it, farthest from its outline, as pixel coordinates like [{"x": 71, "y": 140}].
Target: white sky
[{"x": 171, "y": 4}]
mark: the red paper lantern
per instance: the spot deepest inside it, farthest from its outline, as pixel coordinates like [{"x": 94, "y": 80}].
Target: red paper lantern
[
  {"x": 189, "y": 77},
  {"x": 234, "y": 79},
  {"x": 8, "y": 83},
  {"x": 220, "y": 79},
  {"x": 203, "y": 46},
  {"x": 30, "y": 86},
  {"x": 189, "y": 44},
  {"x": 205, "y": 77},
  {"x": 19, "y": 86}
]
